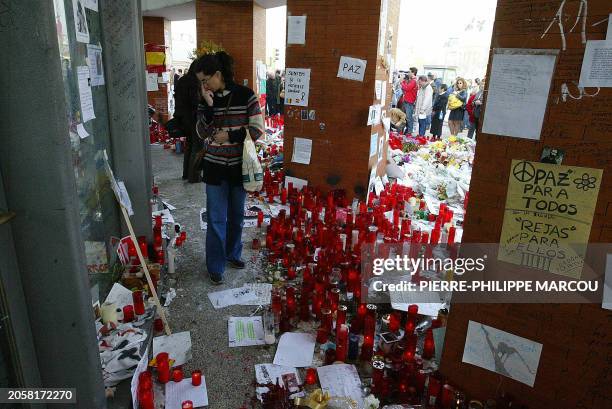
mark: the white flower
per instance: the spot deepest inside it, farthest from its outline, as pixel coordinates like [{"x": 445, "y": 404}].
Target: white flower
[{"x": 370, "y": 402}]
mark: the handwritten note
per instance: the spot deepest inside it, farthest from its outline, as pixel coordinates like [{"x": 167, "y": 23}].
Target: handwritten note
[
  {"x": 302, "y": 149},
  {"x": 597, "y": 64},
  {"x": 341, "y": 380},
  {"x": 296, "y": 29},
  {"x": 297, "y": 86},
  {"x": 233, "y": 296},
  {"x": 85, "y": 96},
  {"x": 352, "y": 68}
]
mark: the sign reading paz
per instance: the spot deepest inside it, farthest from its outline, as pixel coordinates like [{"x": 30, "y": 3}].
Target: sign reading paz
[
  {"x": 297, "y": 86},
  {"x": 548, "y": 216},
  {"x": 352, "y": 68}
]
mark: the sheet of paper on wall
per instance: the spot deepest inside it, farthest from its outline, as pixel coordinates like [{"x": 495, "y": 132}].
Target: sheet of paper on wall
[
  {"x": 295, "y": 349},
  {"x": 374, "y": 115},
  {"x": 383, "y": 92},
  {"x": 152, "y": 81},
  {"x": 80, "y": 21},
  {"x": 85, "y": 96},
  {"x": 518, "y": 87},
  {"x": 534, "y": 248},
  {"x": 178, "y": 392},
  {"x": 382, "y": 28},
  {"x": 502, "y": 352},
  {"x": 164, "y": 78},
  {"x": 378, "y": 88},
  {"x": 245, "y": 331},
  {"x": 607, "y": 285},
  {"x": 96, "y": 66},
  {"x": 297, "y": 86},
  {"x": 381, "y": 148},
  {"x": 373, "y": 144},
  {"x": 177, "y": 345},
  {"x": 82, "y": 131},
  {"x": 302, "y": 149},
  {"x": 296, "y": 29},
  {"x": 351, "y": 68},
  {"x": 232, "y": 296},
  {"x": 341, "y": 380},
  {"x": 297, "y": 182},
  {"x": 270, "y": 374},
  {"x": 597, "y": 64}
]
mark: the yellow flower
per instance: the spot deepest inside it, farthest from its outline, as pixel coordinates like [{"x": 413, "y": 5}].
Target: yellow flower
[{"x": 452, "y": 138}]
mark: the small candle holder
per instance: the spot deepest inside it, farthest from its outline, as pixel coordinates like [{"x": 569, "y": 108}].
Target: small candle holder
[
  {"x": 187, "y": 405},
  {"x": 177, "y": 374},
  {"x": 196, "y": 378}
]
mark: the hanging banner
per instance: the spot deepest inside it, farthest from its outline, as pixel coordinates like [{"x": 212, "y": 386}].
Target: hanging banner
[
  {"x": 297, "y": 86},
  {"x": 548, "y": 216}
]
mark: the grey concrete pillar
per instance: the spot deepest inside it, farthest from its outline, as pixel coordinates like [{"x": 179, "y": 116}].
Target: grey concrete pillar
[
  {"x": 124, "y": 64},
  {"x": 39, "y": 182}
]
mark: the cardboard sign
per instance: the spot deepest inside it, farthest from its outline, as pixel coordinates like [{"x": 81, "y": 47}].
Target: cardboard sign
[
  {"x": 548, "y": 216},
  {"x": 297, "y": 86},
  {"x": 352, "y": 68}
]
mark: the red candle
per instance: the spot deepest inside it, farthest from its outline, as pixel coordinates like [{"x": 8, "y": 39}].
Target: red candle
[
  {"x": 341, "y": 315},
  {"x": 284, "y": 196},
  {"x": 187, "y": 405},
  {"x": 326, "y": 319},
  {"x": 341, "y": 342},
  {"x": 378, "y": 373},
  {"x": 394, "y": 321},
  {"x": 429, "y": 346},
  {"x": 413, "y": 310},
  {"x": 128, "y": 313},
  {"x": 311, "y": 376},
  {"x": 196, "y": 378},
  {"x": 451, "y": 235},
  {"x": 137, "y": 298},
  {"x": 146, "y": 400},
  {"x": 335, "y": 298},
  {"x": 260, "y": 218},
  {"x": 161, "y": 357},
  {"x": 410, "y": 326},
  {"x": 291, "y": 274},
  {"x": 163, "y": 371},
  {"x": 421, "y": 377},
  {"x": 433, "y": 390},
  {"x": 448, "y": 393},
  {"x": 177, "y": 374}
]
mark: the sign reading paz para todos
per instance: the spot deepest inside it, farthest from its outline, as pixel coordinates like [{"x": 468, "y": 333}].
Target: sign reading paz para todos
[
  {"x": 297, "y": 86},
  {"x": 352, "y": 68},
  {"x": 548, "y": 216}
]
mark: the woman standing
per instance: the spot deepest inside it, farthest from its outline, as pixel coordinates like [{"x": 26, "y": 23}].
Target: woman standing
[
  {"x": 455, "y": 118},
  {"x": 226, "y": 113},
  {"x": 438, "y": 113}
]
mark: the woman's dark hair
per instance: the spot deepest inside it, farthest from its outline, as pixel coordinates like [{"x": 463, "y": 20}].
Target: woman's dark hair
[
  {"x": 219, "y": 61},
  {"x": 443, "y": 87}
]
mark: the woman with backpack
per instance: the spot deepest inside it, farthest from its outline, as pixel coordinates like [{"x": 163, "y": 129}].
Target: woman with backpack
[
  {"x": 456, "y": 105},
  {"x": 227, "y": 115}
]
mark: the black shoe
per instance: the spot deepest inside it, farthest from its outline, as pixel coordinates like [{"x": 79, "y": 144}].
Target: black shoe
[
  {"x": 239, "y": 264},
  {"x": 216, "y": 280}
]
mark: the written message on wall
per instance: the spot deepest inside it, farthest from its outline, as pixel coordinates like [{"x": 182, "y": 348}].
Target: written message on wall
[
  {"x": 297, "y": 86},
  {"x": 548, "y": 216}
]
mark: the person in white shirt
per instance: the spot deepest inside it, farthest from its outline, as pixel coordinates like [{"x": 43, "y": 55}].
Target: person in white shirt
[{"x": 424, "y": 103}]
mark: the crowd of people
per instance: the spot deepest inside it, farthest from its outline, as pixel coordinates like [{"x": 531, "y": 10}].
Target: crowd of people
[
  {"x": 425, "y": 100},
  {"x": 275, "y": 93}
]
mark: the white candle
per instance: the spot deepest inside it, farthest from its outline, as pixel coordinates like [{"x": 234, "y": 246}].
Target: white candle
[
  {"x": 343, "y": 240},
  {"x": 354, "y": 238}
]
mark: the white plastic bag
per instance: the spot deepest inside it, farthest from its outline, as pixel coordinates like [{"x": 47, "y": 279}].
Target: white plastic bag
[{"x": 252, "y": 173}]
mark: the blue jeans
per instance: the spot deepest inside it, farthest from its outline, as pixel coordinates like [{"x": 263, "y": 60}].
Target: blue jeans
[
  {"x": 225, "y": 217},
  {"x": 422, "y": 126},
  {"x": 428, "y": 124},
  {"x": 409, "y": 111}
]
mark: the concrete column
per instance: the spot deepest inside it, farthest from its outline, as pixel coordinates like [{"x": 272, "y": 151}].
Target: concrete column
[
  {"x": 341, "y": 139},
  {"x": 127, "y": 104},
  {"x": 238, "y": 26},
  {"x": 39, "y": 181}
]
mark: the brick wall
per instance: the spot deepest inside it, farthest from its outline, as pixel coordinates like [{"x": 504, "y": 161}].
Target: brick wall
[
  {"x": 335, "y": 28},
  {"x": 235, "y": 25},
  {"x": 153, "y": 30},
  {"x": 574, "y": 370}
]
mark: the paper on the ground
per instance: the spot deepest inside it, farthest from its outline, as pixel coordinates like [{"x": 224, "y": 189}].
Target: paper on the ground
[
  {"x": 295, "y": 349},
  {"x": 269, "y": 373},
  {"x": 168, "y": 205},
  {"x": 297, "y": 183},
  {"x": 178, "y": 392},
  {"x": 152, "y": 81},
  {"x": 518, "y": 87},
  {"x": 341, "y": 380},
  {"x": 607, "y": 291},
  {"x": 142, "y": 366},
  {"x": 502, "y": 352},
  {"x": 302, "y": 149},
  {"x": 85, "y": 96},
  {"x": 82, "y": 131},
  {"x": 124, "y": 198},
  {"x": 167, "y": 217},
  {"x": 119, "y": 295},
  {"x": 177, "y": 345},
  {"x": 263, "y": 291},
  {"x": 245, "y": 331},
  {"x": 80, "y": 21},
  {"x": 296, "y": 29},
  {"x": 275, "y": 209},
  {"x": 429, "y": 302},
  {"x": 232, "y": 296},
  {"x": 597, "y": 64},
  {"x": 438, "y": 335},
  {"x": 96, "y": 67}
]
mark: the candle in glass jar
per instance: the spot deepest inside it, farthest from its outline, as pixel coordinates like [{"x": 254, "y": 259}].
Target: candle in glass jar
[
  {"x": 311, "y": 376},
  {"x": 163, "y": 371},
  {"x": 341, "y": 342},
  {"x": 429, "y": 346},
  {"x": 341, "y": 315},
  {"x": 395, "y": 321},
  {"x": 335, "y": 298},
  {"x": 128, "y": 313},
  {"x": 378, "y": 373},
  {"x": 448, "y": 393},
  {"x": 146, "y": 399},
  {"x": 137, "y": 298},
  {"x": 177, "y": 374},
  {"x": 196, "y": 378},
  {"x": 187, "y": 405}
]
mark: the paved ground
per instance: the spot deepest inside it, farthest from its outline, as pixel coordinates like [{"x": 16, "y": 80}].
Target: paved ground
[{"x": 229, "y": 372}]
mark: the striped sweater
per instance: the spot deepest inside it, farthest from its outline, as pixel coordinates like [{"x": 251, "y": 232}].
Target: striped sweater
[{"x": 234, "y": 110}]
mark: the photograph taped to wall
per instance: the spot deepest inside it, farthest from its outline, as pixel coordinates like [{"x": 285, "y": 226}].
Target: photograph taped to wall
[{"x": 517, "y": 92}]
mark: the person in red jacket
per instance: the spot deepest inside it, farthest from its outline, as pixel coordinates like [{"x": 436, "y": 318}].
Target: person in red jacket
[{"x": 409, "y": 88}]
